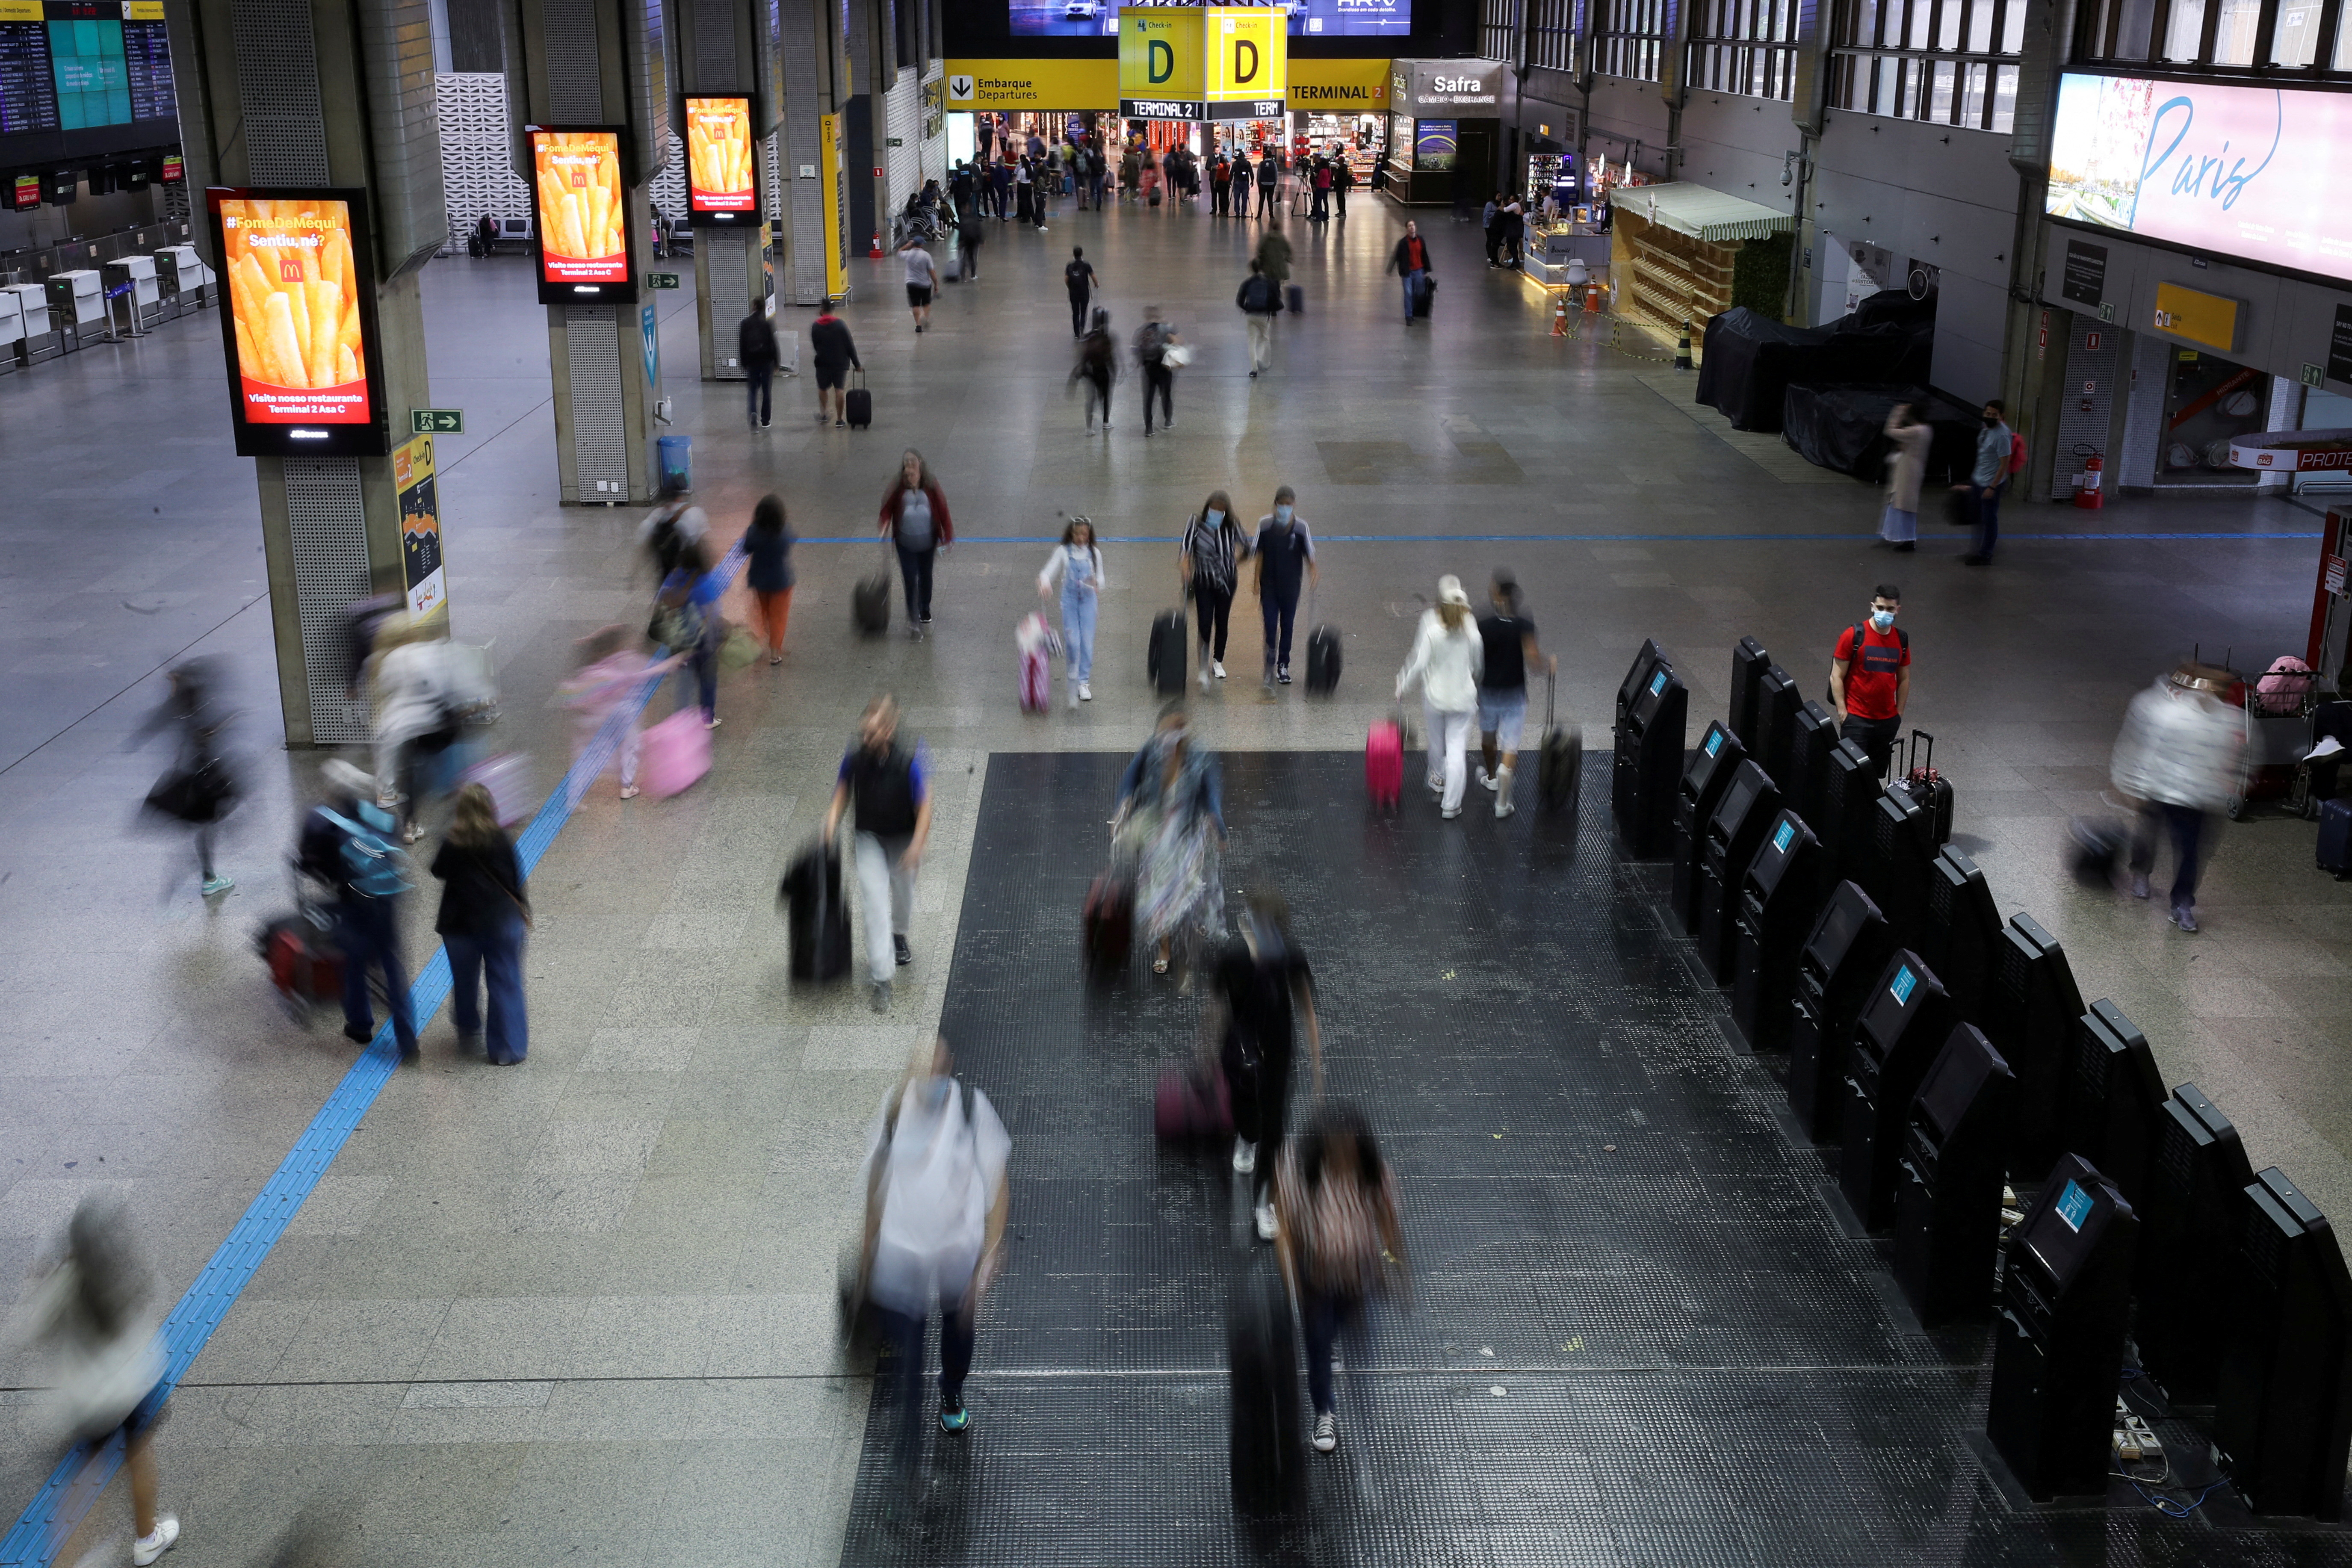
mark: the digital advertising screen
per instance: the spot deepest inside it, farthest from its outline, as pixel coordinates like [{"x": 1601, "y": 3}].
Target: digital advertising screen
[
  {"x": 1433, "y": 144},
  {"x": 2220, "y": 169},
  {"x": 581, "y": 218},
  {"x": 718, "y": 185},
  {"x": 299, "y": 322},
  {"x": 1308, "y": 18}
]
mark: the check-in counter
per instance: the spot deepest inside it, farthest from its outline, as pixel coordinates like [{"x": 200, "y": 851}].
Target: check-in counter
[
  {"x": 78, "y": 307},
  {"x": 41, "y": 340},
  {"x": 12, "y": 331},
  {"x": 134, "y": 302},
  {"x": 185, "y": 280}
]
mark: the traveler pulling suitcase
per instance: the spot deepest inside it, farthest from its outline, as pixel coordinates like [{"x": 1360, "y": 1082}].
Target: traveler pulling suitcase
[
  {"x": 2335, "y": 837},
  {"x": 1384, "y": 764},
  {"x": 816, "y": 914},
  {"x": 1107, "y": 927},
  {"x": 1929, "y": 789},
  {"x": 1559, "y": 760},
  {"x": 1163, "y": 659},
  {"x": 1267, "y": 1461},
  {"x": 861, "y": 403}
]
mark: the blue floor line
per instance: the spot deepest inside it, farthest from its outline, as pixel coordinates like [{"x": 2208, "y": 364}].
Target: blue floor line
[
  {"x": 82, "y": 1475},
  {"x": 1049, "y": 540}
]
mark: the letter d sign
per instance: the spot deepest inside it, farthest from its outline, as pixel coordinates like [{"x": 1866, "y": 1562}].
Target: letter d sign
[
  {"x": 1245, "y": 62},
  {"x": 1159, "y": 62}
]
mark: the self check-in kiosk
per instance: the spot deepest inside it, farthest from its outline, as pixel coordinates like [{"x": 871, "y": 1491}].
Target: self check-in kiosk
[
  {"x": 1904, "y": 1023},
  {"x": 2031, "y": 1006},
  {"x": 1748, "y": 663},
  {"x": 1645, "y": 778},
  {"x": 1777, "y": 907},
  {"x": 1947, "y": 1205},
  {"x": 2283, "y": 1416},
  {"x": 2192, "y": 1222},
  {"x": 1705, "y": 778},
  {"x": 1844, "y": 951},
  {"x": 1741, "y": 819},
  {"x": 1957, "y": 930}
]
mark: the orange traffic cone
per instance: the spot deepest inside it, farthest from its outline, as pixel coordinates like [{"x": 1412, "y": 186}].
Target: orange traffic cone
[
  {"x": 874, "y": 253},
  {"x": 1560, "y": 315}
]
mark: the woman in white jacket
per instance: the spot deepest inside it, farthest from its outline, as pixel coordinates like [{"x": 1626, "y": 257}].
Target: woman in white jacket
[
  {"x": 1077, "y": 562},
  {"x": 1447, "y": 658}
]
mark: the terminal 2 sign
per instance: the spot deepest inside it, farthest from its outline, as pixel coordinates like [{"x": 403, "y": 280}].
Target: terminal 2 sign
[{"x": 1218, "y": 64}]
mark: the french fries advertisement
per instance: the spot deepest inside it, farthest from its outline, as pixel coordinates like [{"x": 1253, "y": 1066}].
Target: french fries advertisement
[
  {"x": 718, "y": 155},
  {"x": 584, "y": 235},
  {"x": 293, "y": 293}
]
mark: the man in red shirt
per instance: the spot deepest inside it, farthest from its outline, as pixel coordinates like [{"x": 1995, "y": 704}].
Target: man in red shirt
[
  {"x": 1410, "y": 260},
  {"x": 1870, "y": 678}
]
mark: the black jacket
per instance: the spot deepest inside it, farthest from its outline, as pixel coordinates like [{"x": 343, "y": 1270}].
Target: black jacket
[
  {"x": 829, "y": 340},
  {"x": 482, "y": 890},
  {"x": 1258, "y": 295},
  {"x": 755, "y": 340}
]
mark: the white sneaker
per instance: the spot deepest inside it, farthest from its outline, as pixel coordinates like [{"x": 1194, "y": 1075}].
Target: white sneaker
[
  {"x": 1085, "y": 691},
  {"x": 1245, "y": 1156},
  {"x": 1204, "y": 678},
  {"x": 1219, "y": 668},
  {"x": 1488, "y": 781},
  {"x": 148, "y": 1548},
  {"x": 1265, "y": 1222},
  {"x": 1327, "y": 1433}
]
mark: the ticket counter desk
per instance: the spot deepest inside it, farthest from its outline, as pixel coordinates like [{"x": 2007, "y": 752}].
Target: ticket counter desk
[
  {"x": 41, "y": 340},
  {"x": 133, "y": 301},
  {"x": 188, "y": 284},
  {"x": 12, "y": 330},
  {"x": 78, "y": 307}
]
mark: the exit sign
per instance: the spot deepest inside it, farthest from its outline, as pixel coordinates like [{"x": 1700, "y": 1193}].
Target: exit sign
[
  {"x": 436, "y": 421},
  {"x": 661, "y": 279}
]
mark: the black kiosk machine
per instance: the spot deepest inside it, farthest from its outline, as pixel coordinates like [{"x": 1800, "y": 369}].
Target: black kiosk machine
[
  {"x": 1957, "y": 930},
  {"x": 1777, "y": 701},
  {"x": 2283, "y": 1420},
  {"x": 2111, "y": 1097},
  {"x": 1748, "y": 663},
  {"x": 1849, "y": 786},
  {"x": 2030, "y": 1006},
  {"x": 2193, "y": 1215},
  {"x": 1733, "y": 835},
  {"x": 1902, "y": 1024},
  {"x": 2058, "y": 1347},
  {"x": 1776, "y": 911},
  {"x": 1948, "y": 1209},
  {"x": 1843, "y": 953},
  {"x": 1644, "y": 782},
  {"x": 1812, "y": 736},
  {"x": 1893, "y": 861},
  {"x": 1705, "y": 779}
]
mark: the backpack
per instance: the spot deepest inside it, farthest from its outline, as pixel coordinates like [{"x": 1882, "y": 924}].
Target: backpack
[
  {"x": 373, "y": 867},
  {"x": 1856, "y": 632},
  {"x": 755, "y": 343},
  {"x": 2016, "y": 453},
  {"x": 1151, "y": 344}
]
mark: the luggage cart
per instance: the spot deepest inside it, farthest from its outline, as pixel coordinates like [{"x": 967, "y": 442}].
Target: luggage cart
[{"x": 2276, "y": 743}]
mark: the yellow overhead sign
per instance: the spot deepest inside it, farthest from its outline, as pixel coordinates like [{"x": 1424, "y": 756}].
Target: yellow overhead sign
[
  {"x": 2207, "y": 319},
  {"x": 1338, "y": 87},
  {"x": 1161, "y": 71},
  {"x": 1249, "y": 52},
  {"x": 1012, "y": 86}
]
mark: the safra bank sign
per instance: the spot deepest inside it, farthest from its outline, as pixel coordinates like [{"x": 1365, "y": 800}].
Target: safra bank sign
[{"x": 1460, "y": 86}]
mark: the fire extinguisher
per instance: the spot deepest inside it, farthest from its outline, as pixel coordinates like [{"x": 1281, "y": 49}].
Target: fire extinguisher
[
  {"x": 874, "y": 251},
  {"x": 2089, "y": 496}
]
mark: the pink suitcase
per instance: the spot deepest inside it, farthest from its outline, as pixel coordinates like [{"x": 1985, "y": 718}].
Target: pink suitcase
[
  {"x": 677, "y": 752},
  {"x": 1384, "y": 763},
  {"x": 1189, "y": 1103},
  {"x": 508, "y": 778},
  {"x": 1036, "y": 682}
]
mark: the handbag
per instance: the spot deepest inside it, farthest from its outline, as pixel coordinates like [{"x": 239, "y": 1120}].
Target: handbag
[
  {"x": 1178, "y": 354},
  {"x": 739, "y": 648}
]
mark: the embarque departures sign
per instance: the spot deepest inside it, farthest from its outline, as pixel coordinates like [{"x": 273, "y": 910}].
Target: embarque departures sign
[{"x": 1186, "y": 63}]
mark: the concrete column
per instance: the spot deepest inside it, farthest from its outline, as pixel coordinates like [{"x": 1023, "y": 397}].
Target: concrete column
[
  {"x": 325, "y": 93},
  {"x": 815, "y": 70},
  {"x": 722, "y": 50},
  {"x": 600, "y": 62}
]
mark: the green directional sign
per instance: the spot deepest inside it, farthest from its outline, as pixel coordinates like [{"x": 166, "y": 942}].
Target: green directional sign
[
  {"x": 436, "y": 421},
  {"x": 661, "y": 279}
]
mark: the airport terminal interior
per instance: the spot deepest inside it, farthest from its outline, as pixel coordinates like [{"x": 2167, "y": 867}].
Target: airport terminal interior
[{"x": 1984, "y": 1225}]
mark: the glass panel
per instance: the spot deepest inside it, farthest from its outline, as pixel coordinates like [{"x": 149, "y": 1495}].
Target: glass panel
[
  {"x": 2296, "y": 39},
  {"x": 2233, "y": 39},
  {"x": 2012, "y": 27},
  {"x": 1947, "y": 25},
  {"x": 1972, "y": 97},
  {"x": 2004, "y": 97},
  {"x": 1939, "y": 94},
  {"x": 2185, "y": 31},
  {"x": 2343, "y": 60},
  {"x": 2135, "y": 22},
  {"x": 1981, "y": 26}
]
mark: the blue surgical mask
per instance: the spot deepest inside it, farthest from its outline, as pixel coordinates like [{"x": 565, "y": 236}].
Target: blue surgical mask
[
  {"x": 1216, "y": 518},
  {"x": 1282, "y": 514},
  {"x": 1883, "y": 619}
]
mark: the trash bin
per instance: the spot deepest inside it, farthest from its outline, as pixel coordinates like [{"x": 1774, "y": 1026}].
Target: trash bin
[{"x": 676, "y": 463}]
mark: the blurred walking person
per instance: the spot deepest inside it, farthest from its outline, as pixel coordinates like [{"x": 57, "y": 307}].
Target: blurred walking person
[
  {"x": 1078, "y": 279},
  {"x": 1448, "y": 656},
  {"x": 936, "y": 1204},
  {"x": 972, "y": 232},
  {"x": 95, "y": 1308},
  {"x": 200, "y": 788},
  {"x": 1208, "y": 561},
  {"x": 1263, "y": 987},
  {"x": 2178, "y": 758},
  {"x": 1507, "y": 646},
  {"x": 1097, "y": 366},
  {"x": 1155, "y": 341},
  {"x": 687, "y": 608},
  {"x": 1907, "y": 439},
  {"x": 1260, "y": 299},
  {"x": 768, "y": 570},
  {"x": 1273, "y": 257},
  {"x": 888, "y": 785},
  {"x": 755, "y": 344},
  {"x": 610, "y": 673},
  {"x": 1076, "y": 564},
  {"x": 1410, "y": 262},
  {"x": 835, "y": 352},
  {"x": 1339, "y": 1238},
  {"x": 346, "y": 843},
  {"x": 922, "y": 281},
  {"x": 1285, "y": 549},
  {"x": 1171, "y": 824},
  {"x": 485, "y": 910},
  {"x": 915, "y": 521},
  {"x": 416, "y": 721}
]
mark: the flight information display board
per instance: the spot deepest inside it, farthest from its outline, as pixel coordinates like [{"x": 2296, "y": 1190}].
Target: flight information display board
[{"x": 84, "y": 79}]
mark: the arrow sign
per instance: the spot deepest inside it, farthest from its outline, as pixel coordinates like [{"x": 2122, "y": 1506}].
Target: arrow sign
[
  {"x": 661, "y": 279},
  {"x": 436, "y": 421}
]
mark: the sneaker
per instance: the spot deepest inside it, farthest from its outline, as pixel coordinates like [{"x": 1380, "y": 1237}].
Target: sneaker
[
  {"x": 774, "y": 660},
  {"x": 1283, "y": 675},
  {"x": 412, "y": 833},
  {"x": 1218, "y": 668},
  {"x": 1327, "y": 1433},
  {"x": 882, "y": 996},
  {"x": 1450, "y": 813},
  {"x": 1436, "y": 785},
  {"x": 1106, "y": 426},
  {"x": 899, "y": 950},
  {"x": 1204, "y": 678},
  {"x": 1265, "y": 1217},
  {"x": 148, "y": 1548},
  {"x": 216, "y": 885},
  {"x": 954, "y": 1417},
  {"x": 1504, "y": 808},
  {"x": 841, "y": 424},
  {"x": 1245, "y": 1156},
  {"x": 2139, "y": 885},
  {"x": 1085, "y": 691},
  {"x": 358, "y": 1035},
  {"x": 711, "y": 722},
  {"x": 629, "y": 792},
  {"x": 1488, "y": 781},
  {"x": 2186, "y": 918}
]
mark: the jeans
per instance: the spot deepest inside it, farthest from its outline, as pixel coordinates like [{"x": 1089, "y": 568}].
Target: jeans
[
  {"x": 1261, "y": 339},
  {"x": 1277, "y": 653},
  {"x": 368, "y": 932},
  {"x": 1095, "y": 188},
  {"x": 1265, "y": 199},
  {"x": 499, "y": 959},
  {"x": 1987, "y": 499},
  {"x": 1411, "y": 290},
  {"x": 885, "y": 898},
  {"x": 702, "y": 668},
  {"x": 1162, "y": 379},
  {"x": 759, "y": 378},
  {"x": 1875, "y": 736},
  {"x": 903, "y": 1332},
  {"x": 1214, "y": 608},
  {"x": 1449, "y": 746},
  {"x": 1261, "y": 1097},
  {"x": 1078, "y": 609},
  {"x": 1321, "y": 1316},
  {"x": 1321, "y": 211},
  {"x": 2188, "y": 826},
  {"x": 914, "y": 567},
  {"x": 1340, "y": 194},
  {"x": 1077, "y": 315}
]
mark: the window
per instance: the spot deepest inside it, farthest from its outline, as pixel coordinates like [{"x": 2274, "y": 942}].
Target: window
[
  {"x": 1630, "y": 36},
  {"x": 1552, "y": 33},
  {"x": 2227, "y": 37},
  {"x": 1746, "y": 47},
  {"x": 1499, "y": 29},
  {"x": 1951, "y": 63}
]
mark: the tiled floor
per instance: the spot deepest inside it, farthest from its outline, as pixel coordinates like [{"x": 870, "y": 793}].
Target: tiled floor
[{"x": 580, "y": 1311}]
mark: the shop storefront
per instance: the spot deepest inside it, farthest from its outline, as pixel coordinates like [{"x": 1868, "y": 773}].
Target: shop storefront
[
  {"x": 1341, "y": 105},
  {"x": 1445, "y": 130},
  {"x": 992, "y": 104}
]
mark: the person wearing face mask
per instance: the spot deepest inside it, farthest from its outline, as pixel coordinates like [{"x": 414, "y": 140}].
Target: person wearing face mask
[
  {"x": 1286, "y": 562},
  {"x": 1208, "y": 563},
  {"x": 1870, "y": 678},
  {"x": 889, "y": 784},
  {"x": 1263, "y": 987},
  {"x": 1987, "y": 480}
]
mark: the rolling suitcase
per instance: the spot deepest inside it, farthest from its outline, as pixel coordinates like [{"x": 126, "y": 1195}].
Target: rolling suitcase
[
  {"x": 674, "y": 753},
  {"x": 869, "y": 601},
  {"x": 2098, "y": 853},
  {"x": 1384, "y": 764},
  {"x": 1108, "y": 926},
  {"x": 1163, "y": 660},
  {"x": 1559, "y": 760},
  {"x": 861, "y": 404},
  {"x": 1929, "y": 789},
  {"x": 1294, "y": 299},
  {"x": 1323, "y": 659},
  {"x": 1267, "y": 1460},
  {"x": 1425, "y": 296},
  {"x": 1191, "y": 1104},
  {"x": 2335, "y": 854},
  {"x": 817, "y": 915},
  {"x": 508, "y": 778}
]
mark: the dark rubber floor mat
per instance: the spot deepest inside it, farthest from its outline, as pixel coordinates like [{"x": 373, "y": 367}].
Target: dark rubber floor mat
[{"x": 1638, "y": 1335}]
